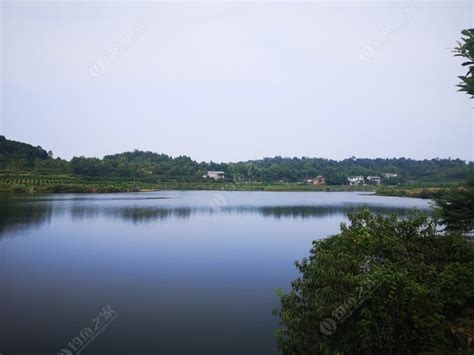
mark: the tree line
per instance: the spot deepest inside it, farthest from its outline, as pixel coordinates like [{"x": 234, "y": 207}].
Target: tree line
[{"x": 21, "y": 157}]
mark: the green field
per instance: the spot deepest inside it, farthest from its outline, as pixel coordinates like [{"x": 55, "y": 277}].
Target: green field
[{"x": 65, "y": 183}]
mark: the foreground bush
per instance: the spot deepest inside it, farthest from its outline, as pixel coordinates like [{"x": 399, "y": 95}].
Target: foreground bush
[{"x": 381, "y": 286}]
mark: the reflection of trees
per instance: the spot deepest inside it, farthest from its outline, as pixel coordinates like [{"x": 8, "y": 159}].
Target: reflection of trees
[
  {"x": 148, "y": 214},
  {"x": 134, "y": 214},
  {"x": 140, "y": 214},
  {"x": 324, "y": 211},
  {"x": 15, "y": 216},
  {"x": 17, "y": 213}
]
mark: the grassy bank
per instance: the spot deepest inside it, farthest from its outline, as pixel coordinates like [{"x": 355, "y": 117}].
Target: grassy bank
[
  {"x": 66, "y": 183},
  {"x": 415, "y": 192}
]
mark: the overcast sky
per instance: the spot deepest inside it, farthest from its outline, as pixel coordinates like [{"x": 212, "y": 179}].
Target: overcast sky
[{"x": 227, "y": 82}]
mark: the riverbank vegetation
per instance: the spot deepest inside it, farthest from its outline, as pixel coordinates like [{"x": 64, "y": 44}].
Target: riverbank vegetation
[
  {"x": 382, "y": 286},
  {"x": 415, "y": 192},
  {"x": 25, "y": 182},
  {"x": 68, "y": 183}
]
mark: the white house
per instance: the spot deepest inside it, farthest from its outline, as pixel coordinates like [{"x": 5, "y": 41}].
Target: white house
[
  {"x": 355, "y": 180},
  {"x": 216, "y": 175},
  {"x": 374, "y": 179},
  {"x": 390, "y": 175}
]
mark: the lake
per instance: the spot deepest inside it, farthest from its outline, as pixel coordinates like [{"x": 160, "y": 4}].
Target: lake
[{"x": 168, "y": 272}]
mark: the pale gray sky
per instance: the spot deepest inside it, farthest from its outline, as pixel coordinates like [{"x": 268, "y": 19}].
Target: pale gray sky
[{"x": 237, "y": 81}]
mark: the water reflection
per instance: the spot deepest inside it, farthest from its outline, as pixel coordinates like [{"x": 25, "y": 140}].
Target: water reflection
[
  {"x": 133, "y": 214},
  {"x": 20, "y": 212},
  {"x": 153, "y": 214},
  {"x": 15, "y": 217},
  {"x": 317, "y": 211}
]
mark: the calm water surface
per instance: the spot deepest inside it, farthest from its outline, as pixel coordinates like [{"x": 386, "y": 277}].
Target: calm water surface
[{"x": 184, "y": 272}]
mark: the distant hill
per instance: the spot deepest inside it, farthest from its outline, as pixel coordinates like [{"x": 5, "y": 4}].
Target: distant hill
[{"x": 20, "y": 157}]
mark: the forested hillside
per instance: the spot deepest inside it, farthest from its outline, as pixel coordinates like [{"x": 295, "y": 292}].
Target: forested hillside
[
  {"x": 16, "y": 157},
  {"x": 336, "y": 172}
]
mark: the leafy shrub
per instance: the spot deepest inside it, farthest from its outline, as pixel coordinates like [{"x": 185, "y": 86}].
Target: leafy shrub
[
  {"x": 456, "y": 208},
  {"x": 382, "y": 285}
]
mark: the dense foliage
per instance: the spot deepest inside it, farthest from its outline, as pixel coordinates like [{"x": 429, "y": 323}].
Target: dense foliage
[
  {"x": 456, "y": 208},
  {"x": 16, "y": 157},
  {"x": 336, "y": 172},
  {"x": 465, "y": 49},
  {"x": 19, "y": 156},
  {"x": 381, "y": 286}
]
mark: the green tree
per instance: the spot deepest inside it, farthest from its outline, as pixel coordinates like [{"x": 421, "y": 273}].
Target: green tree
[
  {"x": 456, "y": 208},
  {"x": 465, "y": 49},
  {"x": 381, "y": 286}
]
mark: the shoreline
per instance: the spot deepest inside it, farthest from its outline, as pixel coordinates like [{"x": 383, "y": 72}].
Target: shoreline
[
  {"x": 421, "y": 193},
  {"x": 175, "y": 187},
  {"x": 19, "y": 183}
]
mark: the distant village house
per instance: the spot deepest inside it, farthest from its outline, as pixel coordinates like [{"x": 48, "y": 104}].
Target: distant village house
[
  {"x": 374, "y": 180},
  {"x": 390, "y": 175},
  {"x": 319, "y": 180},
  {"x": 216, "y": 175},
  {"x": 355, "y": 180}
]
